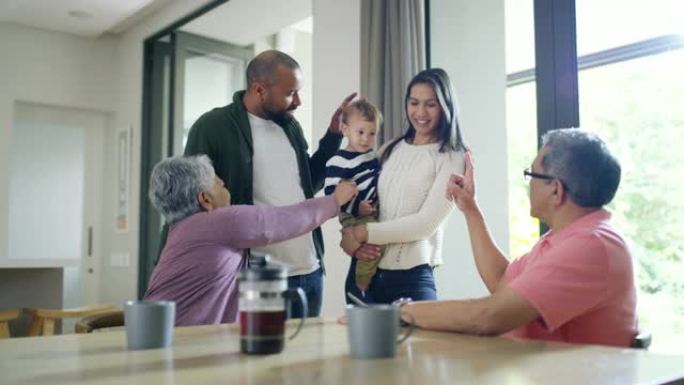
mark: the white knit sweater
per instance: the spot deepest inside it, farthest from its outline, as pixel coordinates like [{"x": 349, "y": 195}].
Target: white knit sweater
[{"x": 413, "y": 205}]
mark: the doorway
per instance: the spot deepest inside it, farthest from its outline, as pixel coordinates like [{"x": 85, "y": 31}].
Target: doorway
[
  {"x": 55, "y": 193},
  {"x": 185, "y": 76}
]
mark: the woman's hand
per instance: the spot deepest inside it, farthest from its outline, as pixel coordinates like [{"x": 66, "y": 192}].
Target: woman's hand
[
  {"x": 345, "y": 191},
  {"x": 360, "y": 233},
  {"x": 354, "y": 248},
  {"x": 348, "y": 243},
  {"x": 368, "y": 252},
  {"x": 461, "y": 189}
]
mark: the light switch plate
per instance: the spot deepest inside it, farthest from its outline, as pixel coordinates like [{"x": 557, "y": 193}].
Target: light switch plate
[{"x": 120, "y": 259}]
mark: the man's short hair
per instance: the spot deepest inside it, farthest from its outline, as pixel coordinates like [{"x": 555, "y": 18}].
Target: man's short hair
[
  {"x": 263, "y": 67},
  {"x": 584, "y": 164},
  {"x": 366, "y": 110}
]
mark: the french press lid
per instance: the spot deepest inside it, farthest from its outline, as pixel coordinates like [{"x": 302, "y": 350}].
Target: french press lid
[{"x": 260, "y": 268}]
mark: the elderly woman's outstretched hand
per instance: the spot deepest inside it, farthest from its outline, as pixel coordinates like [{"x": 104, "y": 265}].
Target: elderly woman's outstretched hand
[
  {"x": 461, "y": 188},
  {"x": 345, "y": 191}
]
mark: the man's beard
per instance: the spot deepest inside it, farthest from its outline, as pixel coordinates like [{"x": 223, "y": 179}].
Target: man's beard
[{"x": 276, "y": 115}]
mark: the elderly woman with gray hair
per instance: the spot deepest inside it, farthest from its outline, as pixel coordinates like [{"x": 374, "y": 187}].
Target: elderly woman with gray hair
[{"x": 202, "y": 257}]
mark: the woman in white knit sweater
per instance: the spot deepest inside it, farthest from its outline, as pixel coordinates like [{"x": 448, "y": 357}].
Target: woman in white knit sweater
[{"x": 413, "y": 206}]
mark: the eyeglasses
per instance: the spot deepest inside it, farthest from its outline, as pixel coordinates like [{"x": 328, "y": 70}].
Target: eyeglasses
[{"x": 528, "y": 175}]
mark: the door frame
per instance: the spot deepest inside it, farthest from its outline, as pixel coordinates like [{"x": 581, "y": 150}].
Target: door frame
[
  {"x": 96, "y": 126},
  {"x": 184, "y": 44},
  {"x": 157, "y": 131}
]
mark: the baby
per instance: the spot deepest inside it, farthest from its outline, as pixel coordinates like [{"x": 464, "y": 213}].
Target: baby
[{"x": 358, "y": 162}]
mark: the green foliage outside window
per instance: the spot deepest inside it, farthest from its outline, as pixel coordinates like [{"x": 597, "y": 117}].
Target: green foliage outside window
[{"x": 636, "y": 106}]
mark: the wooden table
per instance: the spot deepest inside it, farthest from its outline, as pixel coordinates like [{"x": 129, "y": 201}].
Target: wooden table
[{"x": 210, "y": 355}]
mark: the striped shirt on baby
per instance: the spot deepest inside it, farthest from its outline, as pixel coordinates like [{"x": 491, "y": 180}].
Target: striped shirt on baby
[{"x": 361, "y": 167}]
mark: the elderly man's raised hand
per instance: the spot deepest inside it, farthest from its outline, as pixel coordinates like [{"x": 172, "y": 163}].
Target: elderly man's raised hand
[
  {"x": 461, "y": 188},
  {"x": 345, "y": 191},
  {"x": 336, "y": 120}
]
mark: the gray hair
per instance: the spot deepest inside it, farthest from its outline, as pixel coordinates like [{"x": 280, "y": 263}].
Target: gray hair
[
  {"x": 175, "y": 183},
  {"x": 584, "y": 164},
  {"x": 263, "y": 67}
]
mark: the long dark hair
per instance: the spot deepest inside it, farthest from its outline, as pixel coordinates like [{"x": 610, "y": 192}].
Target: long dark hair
[{"x": 449, "y": 129}]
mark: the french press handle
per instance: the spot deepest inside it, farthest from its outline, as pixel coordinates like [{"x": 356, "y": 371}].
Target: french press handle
[{"x": 297, "y": 294}]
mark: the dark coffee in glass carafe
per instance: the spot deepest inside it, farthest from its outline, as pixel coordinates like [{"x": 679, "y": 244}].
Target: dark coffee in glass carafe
[{"x": 263, "y": 296}]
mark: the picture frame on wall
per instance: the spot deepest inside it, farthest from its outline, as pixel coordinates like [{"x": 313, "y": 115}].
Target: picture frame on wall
[{"x": 123, "y": 139}]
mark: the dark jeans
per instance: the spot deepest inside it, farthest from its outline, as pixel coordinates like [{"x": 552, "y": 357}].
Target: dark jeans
[
  {"x": 312, "y": 284},
  {"x": 387, "y": 286}
]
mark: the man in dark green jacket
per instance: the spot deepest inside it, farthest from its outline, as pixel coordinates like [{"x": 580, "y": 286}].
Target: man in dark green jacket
[{"x": 258, "y": 149}]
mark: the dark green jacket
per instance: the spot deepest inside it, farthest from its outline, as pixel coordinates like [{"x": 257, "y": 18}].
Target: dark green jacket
[{"x": 225, "y": 136}]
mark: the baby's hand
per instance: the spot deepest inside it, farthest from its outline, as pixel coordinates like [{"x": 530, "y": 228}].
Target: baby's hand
[
  {"x": 366, "y": 208},
  {"x": 345, "y": 191}
]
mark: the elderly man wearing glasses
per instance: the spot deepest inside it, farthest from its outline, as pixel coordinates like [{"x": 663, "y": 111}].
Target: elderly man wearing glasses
[{"x": 577, "y": 283}]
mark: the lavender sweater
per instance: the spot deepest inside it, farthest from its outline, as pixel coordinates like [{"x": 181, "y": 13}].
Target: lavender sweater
[{"x": 200, "y": 263}]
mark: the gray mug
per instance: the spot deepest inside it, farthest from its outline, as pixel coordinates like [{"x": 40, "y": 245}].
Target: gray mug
[
  {"x": 374, "y": 330},
  {"x": 149, "y": 324}
]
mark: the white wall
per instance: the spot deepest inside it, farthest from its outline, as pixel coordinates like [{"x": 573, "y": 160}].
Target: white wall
[
  {"x": 336, "y": 74},
  {"x": 47, "y": 68},
  {"x": 120, "y": 282},
  {"x": 301, "y": 48},
  {"x": 55, "y": 195},
  {"x": 71, "y": 73},
  {"x": 468, "y": 42}
]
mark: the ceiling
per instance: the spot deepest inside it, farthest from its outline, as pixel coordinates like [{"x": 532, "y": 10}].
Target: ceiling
[
  {"x": 93, "y": 18},
  {"x": 228, "y": 21},
  {"x": 87, "y": 18}
]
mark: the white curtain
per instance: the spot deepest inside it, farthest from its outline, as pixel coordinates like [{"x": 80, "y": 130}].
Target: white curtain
[{"x": 392, "y": 52}]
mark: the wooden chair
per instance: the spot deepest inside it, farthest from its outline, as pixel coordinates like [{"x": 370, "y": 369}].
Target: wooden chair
[
  {"x": 43, "y": 320},
  {"x": 5, "y": 317},
  {"x": 99, "y": 321}
]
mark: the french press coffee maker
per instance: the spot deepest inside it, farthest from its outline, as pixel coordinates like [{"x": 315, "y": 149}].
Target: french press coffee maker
[{"x": 263, "y": 297}]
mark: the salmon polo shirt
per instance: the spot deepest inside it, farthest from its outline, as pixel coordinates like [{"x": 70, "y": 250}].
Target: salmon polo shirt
[{"x": 581, "y": 282}]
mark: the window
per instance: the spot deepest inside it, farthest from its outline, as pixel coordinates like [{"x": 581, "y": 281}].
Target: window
[
  {"x": 606, "y": 24},
  {"x": 634, "y": 105},
  {"x": 521, "y": 126},
  {"x": 521, "y": 122},
  {"x": 630, "y": 89}
]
